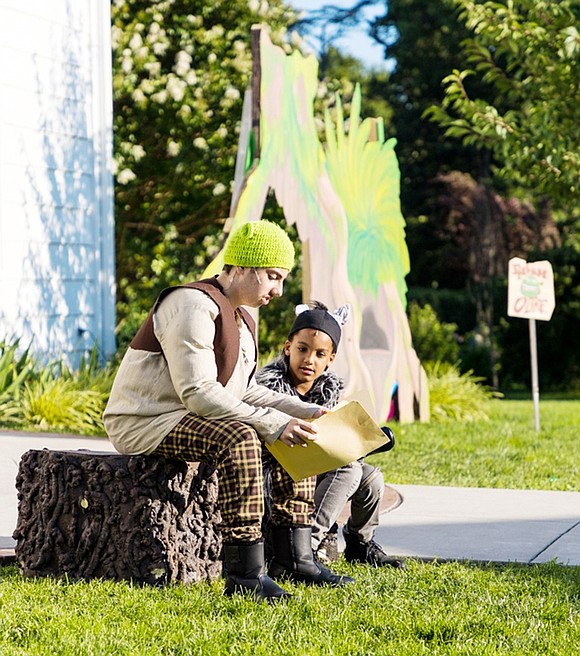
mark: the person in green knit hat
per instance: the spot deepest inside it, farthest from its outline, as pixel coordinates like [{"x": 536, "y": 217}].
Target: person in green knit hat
[{"x": 186, "y": 389}]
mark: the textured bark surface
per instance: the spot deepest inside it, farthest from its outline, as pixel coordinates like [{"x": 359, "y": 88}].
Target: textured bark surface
[{"x": 91, "y": 515}]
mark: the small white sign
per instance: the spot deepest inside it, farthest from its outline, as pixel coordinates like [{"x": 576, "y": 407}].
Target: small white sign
[{"x": 530, "y": 289}]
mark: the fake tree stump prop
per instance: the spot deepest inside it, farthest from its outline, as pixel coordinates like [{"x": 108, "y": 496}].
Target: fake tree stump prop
[{"x": 95, "y": 515}]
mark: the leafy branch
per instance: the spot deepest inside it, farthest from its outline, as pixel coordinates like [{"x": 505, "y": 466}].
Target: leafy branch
[{"x": 526, "y": 54}]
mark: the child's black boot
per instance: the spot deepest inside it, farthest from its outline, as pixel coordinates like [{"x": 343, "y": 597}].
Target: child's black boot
[
  {"x": 370, "y": 553},
  {"x": 293, "y": 558}
]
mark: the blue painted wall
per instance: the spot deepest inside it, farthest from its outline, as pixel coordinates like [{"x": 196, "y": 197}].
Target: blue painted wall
[{"x": 56, "y": 189}]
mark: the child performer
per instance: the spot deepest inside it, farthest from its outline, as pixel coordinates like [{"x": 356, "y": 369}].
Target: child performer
[{"x": 302, "y": 370}]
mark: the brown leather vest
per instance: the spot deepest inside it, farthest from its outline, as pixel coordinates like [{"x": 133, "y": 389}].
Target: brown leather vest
[{"x": 226, "y": 343}]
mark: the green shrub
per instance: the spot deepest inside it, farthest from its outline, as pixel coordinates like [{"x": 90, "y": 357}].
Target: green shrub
[
  {"x": 58, "y": 404},
  {"x": 15, "y": 368},
  {"x": 433, "y": 340},
  {"x": 52, "y": 397},
  {"x": 451, "y": 305},
  {"x": 454, "y": 395},
  {"x": 475, "y": 354},
  {"x": 91, "y": 374},
  {"x": 10, "y": 412}
]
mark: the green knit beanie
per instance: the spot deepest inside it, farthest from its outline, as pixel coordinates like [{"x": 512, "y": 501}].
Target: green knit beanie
[{"x": 259, "y": 244}]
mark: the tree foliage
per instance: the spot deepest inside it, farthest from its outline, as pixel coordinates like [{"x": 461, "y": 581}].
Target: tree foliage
[
  {"x": 180, "y": 70},
  {"x": 433, "y": 340},
  {"x": 422, "y": 37},
  {"x": 483, "y": 230},
  {"x": 339, "y": 74},
  {"x": 527, "y": 52}
]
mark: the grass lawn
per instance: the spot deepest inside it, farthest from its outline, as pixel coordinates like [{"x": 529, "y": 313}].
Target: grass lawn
[
  {"x": 504, "y": 452},
  {"x": 449, "y": 608}
]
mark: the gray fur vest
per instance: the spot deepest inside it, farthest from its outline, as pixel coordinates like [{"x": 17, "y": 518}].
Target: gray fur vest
[{"x": 325, "y": 390}]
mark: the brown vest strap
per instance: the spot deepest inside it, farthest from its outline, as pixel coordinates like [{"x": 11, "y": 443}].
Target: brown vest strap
[{"x": 226, "y": 341}]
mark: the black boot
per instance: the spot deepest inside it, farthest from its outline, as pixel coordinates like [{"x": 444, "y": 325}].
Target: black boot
[
  {"x": 370, "y": 553},
  {"x": 293, "y": 558},
  {"x": 244, "y": 569}
]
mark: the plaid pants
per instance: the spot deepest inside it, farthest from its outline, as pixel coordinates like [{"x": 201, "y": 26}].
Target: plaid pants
[{"x": 235, "y": 451}]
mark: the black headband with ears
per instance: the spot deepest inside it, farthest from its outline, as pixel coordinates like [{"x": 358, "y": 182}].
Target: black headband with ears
[{"x": 318, "y": 319}]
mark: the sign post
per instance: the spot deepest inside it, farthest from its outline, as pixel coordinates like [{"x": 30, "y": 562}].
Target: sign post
[
  {"x": 531, "y": 296},
  {"x": 535, "y": 379}
]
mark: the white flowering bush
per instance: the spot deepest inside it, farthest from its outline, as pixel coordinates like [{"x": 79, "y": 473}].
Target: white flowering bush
[{"x": 180, "y": 70}]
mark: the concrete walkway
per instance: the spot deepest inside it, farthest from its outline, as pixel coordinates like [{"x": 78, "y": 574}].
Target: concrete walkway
[
  {"x": 443, "y": 523},
  {"x": 489, "y": 525}
]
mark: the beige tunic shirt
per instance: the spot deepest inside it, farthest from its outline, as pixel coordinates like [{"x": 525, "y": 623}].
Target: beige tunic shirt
[{"x": 152, "y": 392}]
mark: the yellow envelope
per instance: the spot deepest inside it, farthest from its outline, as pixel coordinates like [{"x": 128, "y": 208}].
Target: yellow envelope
[{"x": 345, "y": 434}]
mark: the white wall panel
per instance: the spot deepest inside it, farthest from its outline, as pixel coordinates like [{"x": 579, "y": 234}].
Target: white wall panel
[{"x": 56, "y": 205}]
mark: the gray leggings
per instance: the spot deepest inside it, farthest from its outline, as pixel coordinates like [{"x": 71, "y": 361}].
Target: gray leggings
[{"x": 358, "y": 481}]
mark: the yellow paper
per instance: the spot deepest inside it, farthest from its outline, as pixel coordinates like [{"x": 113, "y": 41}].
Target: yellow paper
[{"x": 345, "y": 434}]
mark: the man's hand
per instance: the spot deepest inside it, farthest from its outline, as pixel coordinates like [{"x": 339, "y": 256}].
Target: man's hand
[{"x": 299, "y": 432}]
